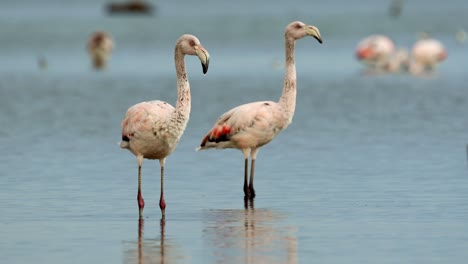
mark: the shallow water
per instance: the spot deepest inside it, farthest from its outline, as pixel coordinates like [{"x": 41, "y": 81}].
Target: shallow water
[{"x": 373, "y": 168}]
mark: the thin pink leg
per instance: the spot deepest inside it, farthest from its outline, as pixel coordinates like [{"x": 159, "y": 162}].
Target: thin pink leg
[
  {"x": 141, "y": 202},
  {"x": 162, "y": 203}
]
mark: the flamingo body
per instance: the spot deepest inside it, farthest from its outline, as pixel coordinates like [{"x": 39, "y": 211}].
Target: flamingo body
[
  {"x": 247, "y": 126},
  {"x": 375, "y": 50},
  {"x": 426, "y": 54},
  {"x": 152, "y": 135},
  {"x": 250, "y": 126}
]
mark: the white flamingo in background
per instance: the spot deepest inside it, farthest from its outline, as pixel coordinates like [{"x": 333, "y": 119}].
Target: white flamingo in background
[
  {"x": 100, "y": 47},
  {"x": 425, "y": 55},
  {"x": 375, "y": 51},
  {"x": 152, "y": 129},
  {"x": 250, "y": 126}
]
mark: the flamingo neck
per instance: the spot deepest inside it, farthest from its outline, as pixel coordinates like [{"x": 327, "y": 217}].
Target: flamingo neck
[
  {"x": 288, "y": 97},
  {"x": 182, "y": 110}
]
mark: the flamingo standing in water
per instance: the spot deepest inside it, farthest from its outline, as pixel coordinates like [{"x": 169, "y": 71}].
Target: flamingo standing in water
[
  {"x": 152, "y": 129},
  {"x": 375, "y": 51},
  {"x": 100, "y": 47},
  {"x": 250, "y": 126},
  {"x": 425, "y": 55}
]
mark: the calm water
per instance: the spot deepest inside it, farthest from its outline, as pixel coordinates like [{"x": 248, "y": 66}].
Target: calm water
[{"x": 372, "y": 170}]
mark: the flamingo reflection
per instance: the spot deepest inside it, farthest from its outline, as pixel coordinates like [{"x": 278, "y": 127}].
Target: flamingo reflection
[
  {"x": 250, "y": 236},
  {"x": 156, "y": 250}
]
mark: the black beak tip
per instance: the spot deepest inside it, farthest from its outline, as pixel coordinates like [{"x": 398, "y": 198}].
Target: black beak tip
[
  {"x": 205, "y": 68},
  {"x": 319, "y": 40}
]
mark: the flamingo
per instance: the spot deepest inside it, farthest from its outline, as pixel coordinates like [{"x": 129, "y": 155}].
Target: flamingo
[
  {"x": 425, "y": 55},
  {"x": 152, "y": 129},
  {"x": 395, "y": 8},
  {"x": 375, "y": 51},
  {"x": 100, "y": 47},
  {"x": 250, "y": 126},
  {"x": 461, "y": 36}
]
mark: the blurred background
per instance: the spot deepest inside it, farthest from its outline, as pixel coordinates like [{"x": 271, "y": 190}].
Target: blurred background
[{"x": 372, "y": 169}]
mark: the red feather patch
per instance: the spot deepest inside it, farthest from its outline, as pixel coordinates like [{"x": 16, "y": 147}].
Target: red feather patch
[{"x": 221, "y": 130}]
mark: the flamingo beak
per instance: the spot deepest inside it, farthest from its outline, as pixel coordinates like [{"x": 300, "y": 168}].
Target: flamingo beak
[
  {"x": 204, "y": 57},
  {"x": 314, "y": 32}
]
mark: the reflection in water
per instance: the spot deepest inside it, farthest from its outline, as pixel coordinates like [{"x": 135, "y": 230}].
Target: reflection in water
[
  {"x": 250, "y": 236},
  {"x": 150, "y": 250}
]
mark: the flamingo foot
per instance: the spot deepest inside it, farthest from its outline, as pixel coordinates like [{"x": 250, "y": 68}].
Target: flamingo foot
[
  {"x": 252, "y": 192},
  {"x": 249, "y": 191},
  {"x": 246, "y": 191}
]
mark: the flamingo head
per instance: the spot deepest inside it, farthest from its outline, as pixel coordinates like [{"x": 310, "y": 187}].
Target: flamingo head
[
  {"x": 190, "y": 45},
  {"x": 297, "y": 30},
  {"x": 100, "y": 40}
]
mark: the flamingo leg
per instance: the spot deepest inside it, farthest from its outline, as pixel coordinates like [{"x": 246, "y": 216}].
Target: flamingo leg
[
  {"x": 141, "y": 202},
  {"x": 246, "y": 175},
  {"x": 251, "y": 186},
  {"x": 162, "y": 203}
]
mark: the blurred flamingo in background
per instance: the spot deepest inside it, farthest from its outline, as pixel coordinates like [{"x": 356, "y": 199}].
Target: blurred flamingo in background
[
  {"x": 426, "y": 54},
  {"x": 375, "y": 51},
  {"x": 100, "y": 47},
  {"x": 461, "y": 36},
  {"x": 250, "y": 126},
  {"x": 152, "y": 129},
  {"x": 395, "y": 8}
]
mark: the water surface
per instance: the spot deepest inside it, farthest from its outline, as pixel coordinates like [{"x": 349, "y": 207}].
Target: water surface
[{"x": 373, "y": 168}]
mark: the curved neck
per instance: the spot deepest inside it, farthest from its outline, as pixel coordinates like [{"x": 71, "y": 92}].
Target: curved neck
[
  {"x": 182, "y": 109},
  {"x": 288, "y": 97}
]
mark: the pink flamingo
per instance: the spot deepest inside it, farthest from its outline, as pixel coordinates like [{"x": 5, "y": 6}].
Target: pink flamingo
[
  {"x": 152, "y": 129},
  {"x": 250, "y": 126},
  {"x": 375, "y": 51},
  {"x": 100, "y": 47},
  {"x": 425, "y": 55}
]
